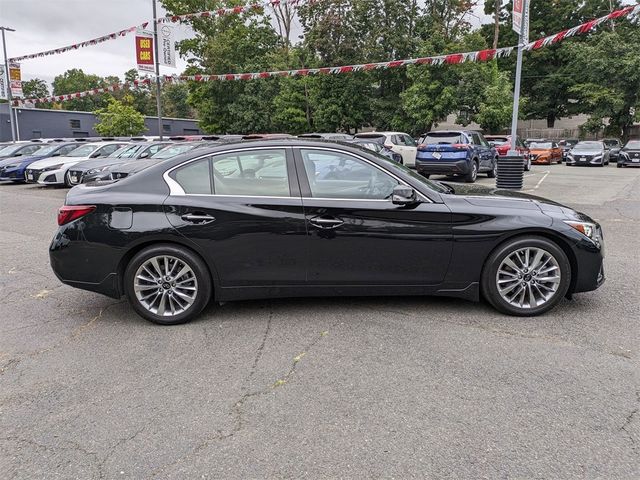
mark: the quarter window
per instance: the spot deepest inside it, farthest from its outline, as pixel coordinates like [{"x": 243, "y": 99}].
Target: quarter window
[
  {"x": 261, "y": 173},
  {"x": 337, "y": 175},
  {"x": 195, "y": 177}
]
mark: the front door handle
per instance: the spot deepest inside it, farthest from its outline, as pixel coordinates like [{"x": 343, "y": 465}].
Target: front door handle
[
  {"x": 326, "y": 222},
  {"x": 199, "y": 218}
]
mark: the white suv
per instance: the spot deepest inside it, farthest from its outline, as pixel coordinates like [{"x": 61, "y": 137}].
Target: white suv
[{"x": 397, "y": 142}]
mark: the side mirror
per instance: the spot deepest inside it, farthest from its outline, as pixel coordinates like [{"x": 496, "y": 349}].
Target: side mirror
[
  {"x": 55, "y": 154},
  {"x": 144, "y": 155},
  {"x": 403, "y": 195},
  {"x": 94, "y": 155}
]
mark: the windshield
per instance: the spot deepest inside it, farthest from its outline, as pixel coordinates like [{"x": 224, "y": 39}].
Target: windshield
[
  {"x": 588, "y": 146},
  {"x": 83, "y": 151},
  {"x": 630, "y": 144},
  {"x": 10, "y": 149},
  {"x": 611, "y": 143},
  {"x": 47, "y": 150},
  {"x": 127, "y": 152},
  {"x": 173, "y": 151},
  {"x": 542, "y": 145},
  {"x": 443, "y": 137}
]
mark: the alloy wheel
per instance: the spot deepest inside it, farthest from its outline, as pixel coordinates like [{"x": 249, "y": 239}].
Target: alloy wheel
[
  {"x": 528, "y": 277},
  {"x": 165, "y": 285}
]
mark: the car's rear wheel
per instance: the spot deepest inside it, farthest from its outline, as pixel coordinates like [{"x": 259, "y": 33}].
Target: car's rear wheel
[
  {"x": 494, "y": 170},
  {"x": 67, "y": 179},
  {"x": 473, "y": 172},
  {"x": 167, "y": 284},
  {"x": 526, "y": 276}
]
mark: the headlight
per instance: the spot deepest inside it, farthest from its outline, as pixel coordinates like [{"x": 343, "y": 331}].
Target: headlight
[
  {"x": 586, "y": 228},
  {"x": 52, "y": 167}
]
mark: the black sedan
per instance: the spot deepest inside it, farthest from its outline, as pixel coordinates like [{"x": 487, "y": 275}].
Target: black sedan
[
  {"x": 286, "y": 218},
  {"x": 629, "y": 154}
]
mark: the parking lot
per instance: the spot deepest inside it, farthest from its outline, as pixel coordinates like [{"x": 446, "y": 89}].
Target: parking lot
[{"x": 322, "y": 388}]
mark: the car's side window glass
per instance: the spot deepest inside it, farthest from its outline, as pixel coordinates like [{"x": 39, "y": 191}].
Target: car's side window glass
[
  {"x": 395, "y": 140},
  {"x": 155, "y": 149},
  {"x": 338, "y": 175},
  {"x": 260, "y": 173},
  {"x": 409, "y": 141},
  {"x": 483, "y": 141},
  {"x": 29, "y": 150},
  {"x": 194, "y": 177},
  {"x": 476, "y": 139}
]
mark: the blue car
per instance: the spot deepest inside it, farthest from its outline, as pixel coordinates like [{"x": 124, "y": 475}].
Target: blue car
[
  {"x": 462, "y": 153},
  {"x": 13, "y": 168}
]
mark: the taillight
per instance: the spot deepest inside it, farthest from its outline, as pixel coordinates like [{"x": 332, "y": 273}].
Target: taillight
[
  {"x": 460, "y": 146},
  {"x": 69, "y": 213}
]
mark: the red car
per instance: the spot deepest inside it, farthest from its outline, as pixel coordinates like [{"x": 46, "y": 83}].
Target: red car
[{"x": 502, "y": 143}]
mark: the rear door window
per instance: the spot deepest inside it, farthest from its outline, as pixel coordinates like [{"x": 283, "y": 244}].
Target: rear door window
[{"x": 261, "y": 173}]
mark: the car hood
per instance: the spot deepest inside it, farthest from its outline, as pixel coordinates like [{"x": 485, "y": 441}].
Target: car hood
[
  {"x": 540, "y": 151},
  {"x": 135, "y": 165},
  {"x": 585, "y": 151},
  {"x": 492, "y": 197},
  {"x": 101, "y": 162},
  {"x": 47, "y": 162},
  {"x": 17, "y": 160}
]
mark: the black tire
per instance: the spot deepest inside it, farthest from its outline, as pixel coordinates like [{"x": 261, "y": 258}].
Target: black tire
[
  {"x": 494, "y": 170},
  {"x": 619, "y": 165},
  {"x": 198, "y": 267},
  {"x": 473, "y": 173},
  {"x": 67, "y": 179},
  {"x": 489, "y": 275},
  {"x": 527, "y": 166}
]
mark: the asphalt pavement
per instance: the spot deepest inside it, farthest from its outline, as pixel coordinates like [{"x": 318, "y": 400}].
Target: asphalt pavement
[{"x": 322, "y": 388}]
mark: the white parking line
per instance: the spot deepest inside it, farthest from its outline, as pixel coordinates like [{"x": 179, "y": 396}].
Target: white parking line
[{"x": 547, "y": 172}]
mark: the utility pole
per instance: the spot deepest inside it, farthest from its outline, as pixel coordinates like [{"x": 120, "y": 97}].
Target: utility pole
[
  {"x": 522, "y": 39},
  {"x": 8, "y": 84},
  {"x": 157, "y": 60}
]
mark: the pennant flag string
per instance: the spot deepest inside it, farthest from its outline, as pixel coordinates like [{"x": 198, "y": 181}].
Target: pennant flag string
[
  {"x": 221, "y": 12},
  {"x": 448, "y": 59}
]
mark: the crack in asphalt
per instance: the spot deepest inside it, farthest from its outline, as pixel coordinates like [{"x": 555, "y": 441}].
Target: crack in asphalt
[
  {"x": 47, "y": 448},
  {"x": 75, "y": 333},
  {"x": 236, "y": 409},
  {"x": 626, "y": 354},
  {"x": 114, "y": 447},
  {"x": 635, "y": 446}
]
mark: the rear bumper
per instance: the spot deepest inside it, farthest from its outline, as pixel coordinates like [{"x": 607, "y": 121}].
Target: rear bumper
[{"x": 456, "y": 167}]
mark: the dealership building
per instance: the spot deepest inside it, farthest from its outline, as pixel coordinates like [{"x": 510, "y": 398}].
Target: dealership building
[{"x": 43, "y": 123}]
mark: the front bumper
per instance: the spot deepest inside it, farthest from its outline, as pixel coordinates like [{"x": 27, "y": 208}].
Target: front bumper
[
  {"x": 12, "y": 174},
  {"x": 443, "y": 167},
  {"x": 629, "y": 160},
  {"x": 585, "y": 160},
  {"x": 45, "y": 177}
]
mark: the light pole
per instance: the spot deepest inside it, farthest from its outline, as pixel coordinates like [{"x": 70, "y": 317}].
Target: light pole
[
  {"x": 8, "y": 83},
  {"x": 157, "y": 61}
]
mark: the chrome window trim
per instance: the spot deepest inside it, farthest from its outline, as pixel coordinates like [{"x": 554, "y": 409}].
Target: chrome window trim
[
  {"x": 176, "y": 190},
  {"x": 398, "y": 179}
]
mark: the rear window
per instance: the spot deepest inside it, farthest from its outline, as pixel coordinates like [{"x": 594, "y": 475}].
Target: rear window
[
  {"x": 443, "y": 137},
  {"x": 498, "y": 140}
]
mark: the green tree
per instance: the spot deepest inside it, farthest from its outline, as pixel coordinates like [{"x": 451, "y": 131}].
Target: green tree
[
  {"x": 495, "y": 110},
  {"x": 75, "y": 80},
  {"x": 35, "y": 88},
  {"x": 609, "y": 84},
  {"x": 175, "y": 101},
  {"x": 119, "y": 119}
]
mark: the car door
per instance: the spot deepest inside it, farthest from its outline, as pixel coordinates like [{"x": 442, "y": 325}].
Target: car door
[
  {"x": 242, "y": 209},
  {"x": 484, "y": 151},
  {"x": 357, "y": 236}
]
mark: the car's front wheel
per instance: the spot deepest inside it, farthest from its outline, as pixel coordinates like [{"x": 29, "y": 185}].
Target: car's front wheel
[
  {"x": 167, "y": 284},
  {"x": 526, "y": 276}
]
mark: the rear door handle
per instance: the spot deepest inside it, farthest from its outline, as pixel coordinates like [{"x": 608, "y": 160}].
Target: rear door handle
[
  {"x": 199, "y": 218},
  {"x": 326, "y": 222}
]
